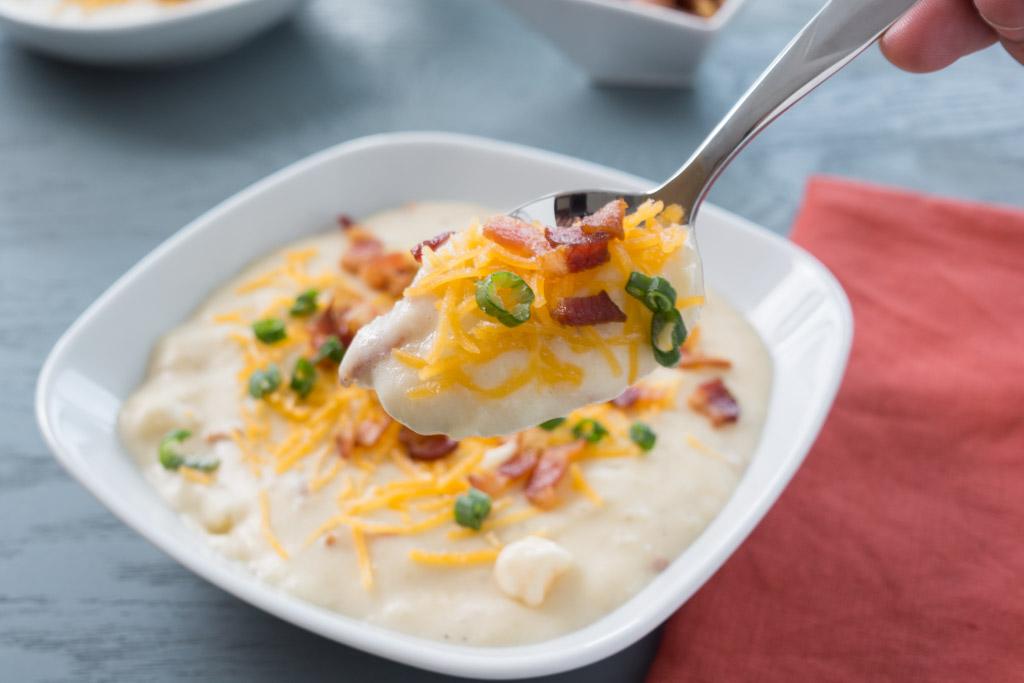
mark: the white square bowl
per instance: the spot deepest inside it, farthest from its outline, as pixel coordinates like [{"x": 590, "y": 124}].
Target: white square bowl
[
  {"x": 792, "y": 300},
  {"x": 624, "y": 42}
]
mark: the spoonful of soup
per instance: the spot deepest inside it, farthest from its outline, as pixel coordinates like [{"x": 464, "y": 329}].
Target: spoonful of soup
[{"x": 569, "y": 299}]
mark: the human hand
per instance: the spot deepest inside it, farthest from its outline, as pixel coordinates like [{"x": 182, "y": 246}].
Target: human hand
[{"x": 936, "y": 33}]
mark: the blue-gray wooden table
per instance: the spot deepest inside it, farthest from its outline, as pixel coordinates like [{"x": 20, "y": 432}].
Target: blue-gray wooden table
[{"x": 97, "y": 167}]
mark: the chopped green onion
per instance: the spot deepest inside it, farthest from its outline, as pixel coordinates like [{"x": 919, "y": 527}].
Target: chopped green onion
[
  {"x": 269, "y": 330},
  {"x": 472, "y": 508},
  {"x": 668, "y": 332},
  {"x": 589, "y": 430},
  {"x": 331, "y": 349},
  {"x": 305, "y": 304},
  {"x": 661, "y": 296},
  {"x": 637, "y": 285},
  {"x": 552, "y": 425},
  {"x": 303, "y": 377},
  {"x": 656, "y": 293},
  {"x": 643, "y": 436},
  {"x": 172, "y": 460},
  {"x": 263, "y": 382},
  {"x": 490, "y": 300}
]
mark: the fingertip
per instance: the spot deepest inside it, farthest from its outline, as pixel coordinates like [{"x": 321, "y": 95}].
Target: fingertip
[{"x": 934, "y": 34}]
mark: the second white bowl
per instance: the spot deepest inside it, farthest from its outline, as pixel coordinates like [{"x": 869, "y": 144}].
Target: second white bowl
[{"x": 619, "y": 42}]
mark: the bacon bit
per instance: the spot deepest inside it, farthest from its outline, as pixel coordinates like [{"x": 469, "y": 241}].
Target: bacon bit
[
  {"x": 608, "y": 220},
  {"x": 715, "y": 401},
  {"x": 576, "y": 311},
  {"x": 214, "y": 437},
  {"x": 330, "y": 539},
  {"x": 637, "y": 394},
  {"x": 541, "y": 489},
  {"x": 577, "y": 250},
  {"x": 490, "y": 483},
  {"x": 424, "y": 446},
  {"x": 363, "y": 247},
  {"x": 434, "y": 243},
  {"x": 340, "y": 321},
  {"x": 345, "y": 441},
  {"x": 698, "y": 361},
  {"x": 368, "y": 432},
  {"x": 519, "y": 465},
  {"x": 515, "y": 235},
  {"x": 345, "y": 221},
  {"x": 391, "y": 272},
  {"x": 628, "y": 398}
]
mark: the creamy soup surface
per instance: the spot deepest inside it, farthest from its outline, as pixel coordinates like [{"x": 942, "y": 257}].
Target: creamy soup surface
[{"x": 343, "y": 517}]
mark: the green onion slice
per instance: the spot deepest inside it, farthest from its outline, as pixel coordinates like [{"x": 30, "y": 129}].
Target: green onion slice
[
  {"x": 494, "y": 290},
  {"x": 589, "y": 430},
  {"x": 637, "y": 285},
  {"x": 172, "y": 460},
  {"x": 331, "y": 349},
  {"x": 269, "y": 330},
  {"x": 305, "y": 304},
  {"x": 472, "y": 508},
  {"x": 263, "y": 382},
  {"x": 656, "y": 293},
  {"x": 303, "y": 377},
  {"x": 668, "y": 332},
  {"x": 552, "y": 425},
  {"x": 643, "y": 436}
]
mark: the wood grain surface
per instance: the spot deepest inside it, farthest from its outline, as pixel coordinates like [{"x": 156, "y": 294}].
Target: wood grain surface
[{"x": 98, "y": 166}]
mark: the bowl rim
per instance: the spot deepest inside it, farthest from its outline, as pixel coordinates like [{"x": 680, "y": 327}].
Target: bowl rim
[
  {"x": 669, "y": 15},
  {"x": 169, "y": 17},
  {"x": 534, "y": 659}
]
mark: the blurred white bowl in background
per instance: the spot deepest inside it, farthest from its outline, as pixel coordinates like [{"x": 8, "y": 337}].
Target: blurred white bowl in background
[
  {"x": 624, "y": 42},
  {"x": 140, "y": 34}
]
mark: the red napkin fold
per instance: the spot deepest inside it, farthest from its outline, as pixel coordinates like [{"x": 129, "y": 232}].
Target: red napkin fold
[{"x": 897, "y": 553}]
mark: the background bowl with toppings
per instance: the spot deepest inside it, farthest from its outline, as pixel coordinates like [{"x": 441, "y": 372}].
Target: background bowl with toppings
[
  {"x": 139, "y": 32},
  {"x": 792, "y": 301},
  {"x": 628, "y": 42}
]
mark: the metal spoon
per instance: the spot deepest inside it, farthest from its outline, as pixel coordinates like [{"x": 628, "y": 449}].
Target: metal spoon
[{"x": 831, "y": 40}]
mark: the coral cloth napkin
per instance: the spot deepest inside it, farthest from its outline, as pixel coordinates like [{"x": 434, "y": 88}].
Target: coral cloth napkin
[{"x": 897, "y": 553}]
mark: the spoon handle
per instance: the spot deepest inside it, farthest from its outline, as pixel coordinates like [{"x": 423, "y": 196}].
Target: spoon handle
[{"x": 834, "y": 37}]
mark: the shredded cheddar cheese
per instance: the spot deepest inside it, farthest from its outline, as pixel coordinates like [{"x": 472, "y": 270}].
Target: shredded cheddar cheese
[{"x": 467, "y": 338}]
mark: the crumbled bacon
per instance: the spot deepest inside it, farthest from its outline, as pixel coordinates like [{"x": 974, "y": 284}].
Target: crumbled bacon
[
  {"x": 368, "y": 432},
  {"x": 424, "y": 446},
  {"x": 698, "y": 361},
  {"x": 637, "y": 394},
  {"x": 434, "y": 243},
  {"x": 587, "y": 310},
  {"x": 715, "y": 401},
  {"x": 542, "y": 488},
  {"x": 341, "y": 321},
  {"x": 489, "y": 482},
  {"x": 215, "y": 437},
  {"x": 577, "y": 250},
  {"x": 515, "y": 235},
  {"x": 345, "y": 441},
  {"x": 628, "y": 398},
  {"x": 390, "y": 272},
  {"x": 519, "y": 465},
  {"x": 345, "y": 221},
  {"x": 362, "y": 248},
  {"x": 608, "y": 219}
]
